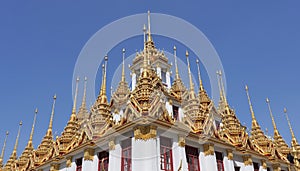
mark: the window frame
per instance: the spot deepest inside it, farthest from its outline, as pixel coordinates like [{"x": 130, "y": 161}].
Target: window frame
[
  {"x": 193, "y": 154},
  {"x": 126, "y": 161},
  {"x": 166, "y": 156},
  {"x": 103, "y": 159}
]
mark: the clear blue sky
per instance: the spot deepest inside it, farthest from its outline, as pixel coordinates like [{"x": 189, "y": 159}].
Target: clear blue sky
[{"x": 258, "y": 43}]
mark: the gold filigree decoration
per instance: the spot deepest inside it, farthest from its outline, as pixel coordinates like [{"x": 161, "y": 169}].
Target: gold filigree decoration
[
  {"x": 208, "y": 149},
  {"x": 181, "y": 141},
  {"x": 89, "y": 154},
  {"x": 145, "y": 132},
  {"x": 229, "y": 154},
  {"x": 247, "y": 160},
  {"x": 112, "y": 145},
  {"x": 54, "y": 167},
  {"x": 276, "y": 167},
  {"x": 264, "y": 164},
  {"x": 69, "y": 161}
]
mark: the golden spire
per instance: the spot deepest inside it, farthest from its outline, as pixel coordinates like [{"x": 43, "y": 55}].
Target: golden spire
[
  {"x": 29, "y": 144},
  {"x": 276, "y": 133},
  {"x": 192, "y": 92},
  {"x": 75, "y": 97},
  {"x": 149, "y": 27},
  {"x": 14, "y": 154},
  {"x": 199, "y": 76},
  {"x": 102, "y": 98},
  {"x": 3, "y": 148},
  {"x": 176, "y": 65},
  {"x": 49, "y": 131},
  {"x": 250, "y": 104},
  {"x": 83, "y": 103},
  {"x": 223, "y": 98},
  {"x": 123, "y": 66},
  {"x": 144, "y": 31},
  {"x": 290, "y": 125}
]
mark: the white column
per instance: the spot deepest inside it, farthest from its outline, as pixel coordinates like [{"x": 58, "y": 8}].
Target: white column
[
  {"x": 181, "y": 114},
  {"x": 87, "y": 165},
  {"x": 178, "y": 154},
  {"x": 144, "y": 155},
  {"x": 133, "y": 81},
  {"x": 158, "y": 71},
  {"x": 228, "y": 164},
  {"x": 115, "y": 158},
  {"x": 261, "y": 168},
  {"x": 169, "y": 108},
  {"x": 208, "y": 158},
  {"x": 249, "y": 168},
  {"x": 168, "y": 79}
]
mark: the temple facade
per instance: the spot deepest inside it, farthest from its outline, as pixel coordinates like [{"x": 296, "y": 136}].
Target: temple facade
[{"x": 156, "y": 124}]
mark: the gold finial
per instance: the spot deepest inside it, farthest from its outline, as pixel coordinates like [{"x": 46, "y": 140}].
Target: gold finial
[
  {"x": 176, "y": 65},
  {"x": 250, "y": 104},
  {"x": 272, "y": 117},
  {"x": 83, "y": 103},
  {"x": 49, "y": 131},
  {"x": 149, "y": 27},
  {"x": 4, "y": 145},
  {"x": 199, "y": 76},
  {"x": 75, "y": 97},
  {"x": 29, "y": 144},
  {"x": 190, "y": 74},
  {"x": 14, "y": 154},
  {"x": 290, "y": 125},
  {"x": 123, "y": 66}
]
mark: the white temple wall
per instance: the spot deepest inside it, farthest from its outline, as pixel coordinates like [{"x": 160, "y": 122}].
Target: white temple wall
[
  {"x": 208, "y": 162},
  {"x": 179, "y": 155},
  {"x": 115, "y": 157},
  {"x": 168, "y": 79},
  {"x": 144, "y": 154},
  {"x": 133, "y": 81}
]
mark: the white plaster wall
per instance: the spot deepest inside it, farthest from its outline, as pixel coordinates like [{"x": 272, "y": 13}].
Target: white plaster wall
[
  {"x": 115, "y": 158},
  {"x": 179, "y": 155},
  {"x": 133, "y": 81},
  {"x": 169, "y": 108},
  {"x": 144, "y": 155},
  {"x": 168, "y": 79},
  {"x": 208, "y": 163},
  {"x": 158, "y": 71},
  {"x": 180, "y": 113}
]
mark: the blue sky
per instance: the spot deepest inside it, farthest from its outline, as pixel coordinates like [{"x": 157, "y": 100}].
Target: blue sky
[{"x": 258, "y": 43}]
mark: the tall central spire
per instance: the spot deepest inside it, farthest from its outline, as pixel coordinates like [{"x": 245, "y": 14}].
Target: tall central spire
[
  {"x": 199, "y": 76},
  {"x": 75, "y": 98},
  {"x": 149, "y": 28},
  {"x": 221, "y": 88},
  {"x": 123, "y": 66}
]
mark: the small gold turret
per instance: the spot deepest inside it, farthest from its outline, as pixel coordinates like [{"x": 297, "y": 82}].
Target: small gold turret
[
  {"x": 178, "y": 88},
  {"x": 83, "y": 112},
  {"x": 122, "y": 93},
  {"x": 149, "y": 44},
  {"x": 46, "y": 149},
  {"x": 295, "y": 145},
  {"x": 11, "y": 163},
  {"x": 203, "y": 97},
  {"x": 70, "y": 132},
  {"x": 192, "y": 89},
  {"x": 3, "y": 149},
  {"x": 282, "y": 147},
  {"x": 261, "y": 143},
  {"x": 223, "y": 100},
  {"x": 23, "y": 161}
]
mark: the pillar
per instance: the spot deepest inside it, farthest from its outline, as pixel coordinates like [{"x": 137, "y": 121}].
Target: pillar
[
  {"x": 114, "y": 155},
  {"x": 207, "y": 158},
  {"x": 178, "y": 153},
  {"x": 248, "y": 163},
  {"x": 228, "y": 161},
  {"x": 88, "y": 160}
]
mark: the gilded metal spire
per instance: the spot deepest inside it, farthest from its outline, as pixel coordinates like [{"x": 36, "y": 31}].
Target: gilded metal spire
[
  {"x": 290, "y": 126},
  {"x": 123, "y": 66},
  {"x": 102, "y": 98},
  {"x": 49, "y": 131},
  {"x": 83, "y": 103},
  {"x": 14, "y": 154},
  {"x": 223, "y": 98},
  {"x": 149, "y": 27},
  {"x": 176, "y": 65},
  {"x": 250, "y": 104},
  {"x": 144, "y": 31},
  {"x": 29, "y": 144},
  {"x": 75, "y": 97},
  {"x": 199, "y": 76},
  {"x": 3, "y": 148},
  {"x": 192, "y": 92},
  {"x": 272, "y": 117}
]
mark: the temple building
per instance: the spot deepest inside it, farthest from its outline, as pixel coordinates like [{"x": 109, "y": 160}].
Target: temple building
[{"x": 156, "y": 124}]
